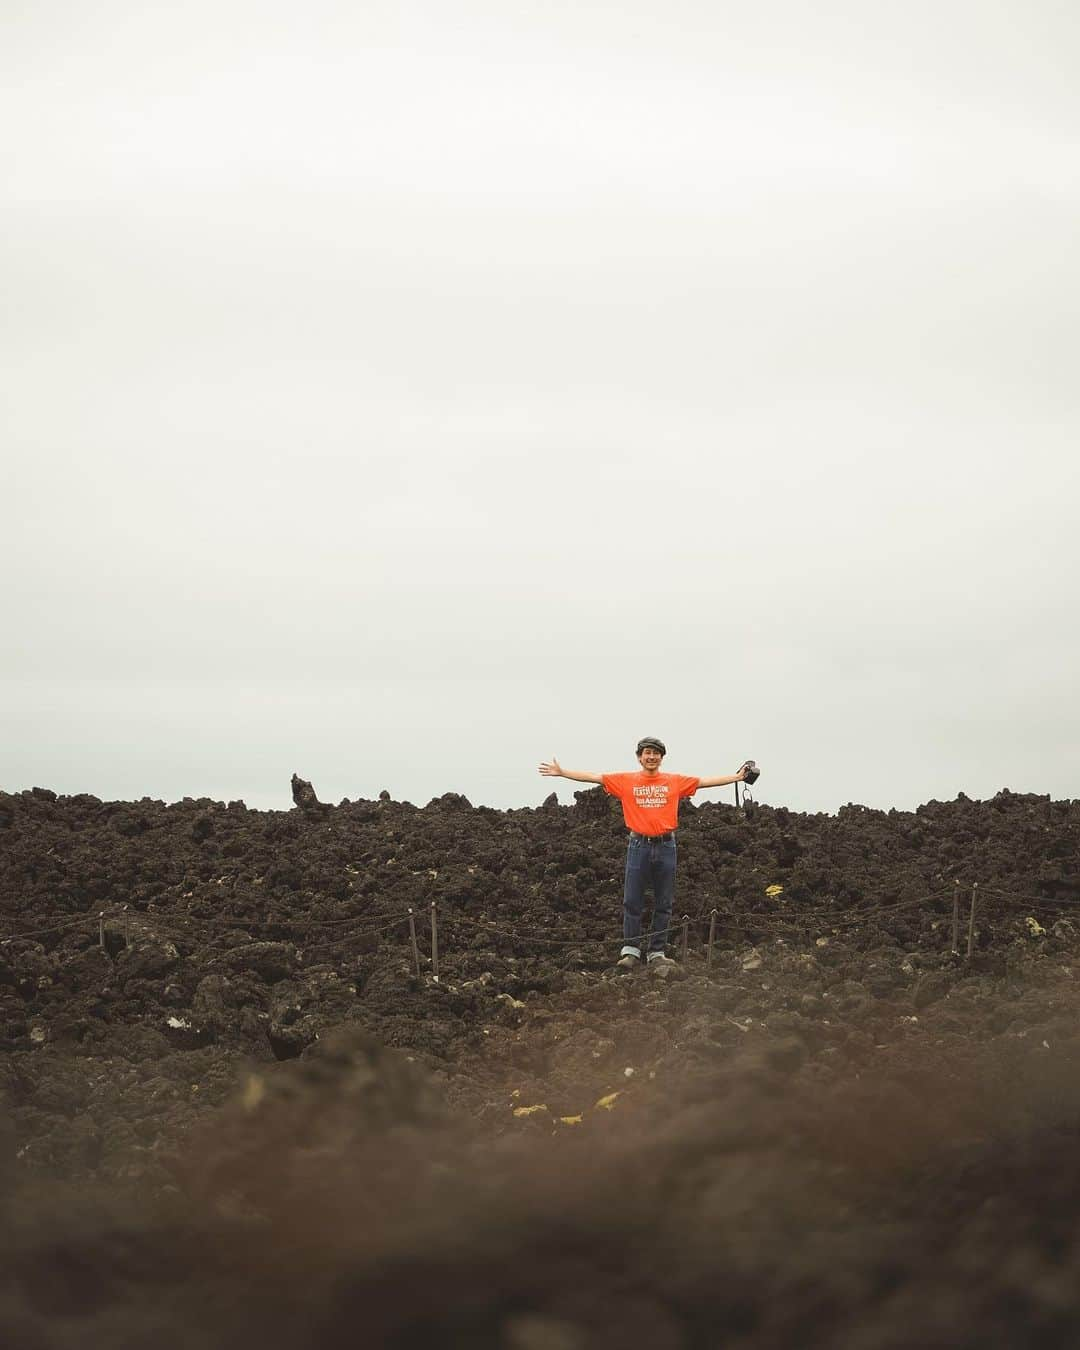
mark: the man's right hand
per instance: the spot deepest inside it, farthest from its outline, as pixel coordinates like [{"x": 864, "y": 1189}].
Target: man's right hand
[{"x": 552, "y": 769}]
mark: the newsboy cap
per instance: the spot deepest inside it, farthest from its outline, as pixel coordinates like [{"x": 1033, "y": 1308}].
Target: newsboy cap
[{"x": 651, "y": 740}]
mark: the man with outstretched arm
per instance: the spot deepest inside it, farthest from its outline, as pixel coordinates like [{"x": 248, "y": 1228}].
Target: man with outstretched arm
[{"x": 650, "y": 802}]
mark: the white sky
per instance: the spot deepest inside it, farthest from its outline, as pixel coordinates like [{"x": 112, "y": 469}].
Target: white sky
[{"x": 402, "y": 393}]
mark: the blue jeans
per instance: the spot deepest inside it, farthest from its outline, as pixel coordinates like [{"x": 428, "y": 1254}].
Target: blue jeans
[{"x": 648, "y": 861}]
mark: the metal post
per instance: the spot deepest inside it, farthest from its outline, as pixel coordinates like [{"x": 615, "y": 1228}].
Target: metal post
[
  {"x": 415, "y": 948},
  {"x": 712, "y": 935},
  {"x": 685, "y": 935},
  {"x": 956, "y": 916},
  {"x": 971, "y": 920},
  {"x": 434, "y": 943}
]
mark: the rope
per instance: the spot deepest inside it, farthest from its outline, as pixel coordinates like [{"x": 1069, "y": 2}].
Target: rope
[
  {"x": 512, "y": 933},
  {"x": 1012, "y": 897},
  {"x": 367, "y": 933},
  {"x": 163, "y": 922},
  {"x": 53, "y": 928},
  {"x": 846, "y": 920}
]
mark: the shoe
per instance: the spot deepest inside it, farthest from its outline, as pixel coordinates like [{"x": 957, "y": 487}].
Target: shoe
[
  {"x": 663, "y": 966},
  {"x": 626, "y": 965}
]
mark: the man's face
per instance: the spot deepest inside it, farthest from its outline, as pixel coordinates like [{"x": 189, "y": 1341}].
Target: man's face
[{"x": 650, "y": 759}]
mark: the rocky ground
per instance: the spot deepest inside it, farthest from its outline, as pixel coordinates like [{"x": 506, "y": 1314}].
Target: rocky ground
[{"x": 236, "y": 1105}]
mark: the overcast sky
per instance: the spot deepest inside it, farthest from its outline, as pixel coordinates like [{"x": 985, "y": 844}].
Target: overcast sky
[{"x": 404, "y": 393}]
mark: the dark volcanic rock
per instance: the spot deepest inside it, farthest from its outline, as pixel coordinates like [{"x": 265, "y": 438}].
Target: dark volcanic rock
[
  {"x": 303, "y": 794},
  {"x": 831, "y": 1121}
]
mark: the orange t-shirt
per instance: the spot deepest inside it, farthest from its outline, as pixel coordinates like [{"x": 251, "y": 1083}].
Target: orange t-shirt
[{"x": 650, "y": 801}]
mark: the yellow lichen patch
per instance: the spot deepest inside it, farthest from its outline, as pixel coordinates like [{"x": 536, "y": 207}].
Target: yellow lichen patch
[
  {"x": 570, "y": 1120},
  {"x": 254, "y": 1092},
  {"x": 606, "y": 1103},
  {"x": 774, "y": 890},
  {"x": 1035, "y": 928},
  {"x": 528, "y": 1110}
]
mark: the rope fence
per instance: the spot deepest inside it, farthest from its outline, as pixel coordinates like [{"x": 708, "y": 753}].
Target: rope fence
[{"x": 967, "y": 901}]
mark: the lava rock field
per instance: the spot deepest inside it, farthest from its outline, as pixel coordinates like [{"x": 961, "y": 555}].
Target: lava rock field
[{"x": 239, "y": 1106}]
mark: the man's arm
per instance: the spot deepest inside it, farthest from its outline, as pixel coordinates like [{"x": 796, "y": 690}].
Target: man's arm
[
  {"x": 723, "y": 782},
  {"x": 555, "y": 770}
]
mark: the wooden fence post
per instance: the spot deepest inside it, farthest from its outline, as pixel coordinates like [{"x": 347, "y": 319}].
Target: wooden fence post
[
  {"x": 415, "y": 948},
  {"x": 685, "y": 936},
  {"x": 434, "y": 943},
  {"x": 956, "y": 916},
  {"x": 971, "y": 919},
  {"x": 712, "y": 936}
]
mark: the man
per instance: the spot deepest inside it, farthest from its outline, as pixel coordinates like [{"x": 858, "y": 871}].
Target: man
[{"x": 650, "y": 802}]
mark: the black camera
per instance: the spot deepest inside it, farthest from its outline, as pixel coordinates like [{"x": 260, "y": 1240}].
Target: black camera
[{"x": 752, "y": 772}]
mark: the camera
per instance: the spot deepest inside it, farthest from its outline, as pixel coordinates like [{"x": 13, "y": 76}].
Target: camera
[{"x": 752, "y": 772}]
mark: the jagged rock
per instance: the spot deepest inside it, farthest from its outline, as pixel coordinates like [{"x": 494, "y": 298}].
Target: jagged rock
[
  {"x": 303, "y": 795},
  {"x": 288, "y": 1040},
  {"x": 452, "y": 800},
  {"x": 271, "y": 961}
]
